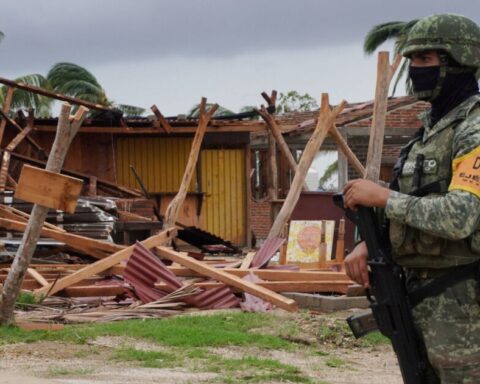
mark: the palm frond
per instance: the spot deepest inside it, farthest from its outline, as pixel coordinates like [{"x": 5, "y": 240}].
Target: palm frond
[
  {"x": 61, "y": 73},
  {"x": 25, "y": 100},
  {"x": 380, "y": 33},
  {"x": 331, "y": 170}
]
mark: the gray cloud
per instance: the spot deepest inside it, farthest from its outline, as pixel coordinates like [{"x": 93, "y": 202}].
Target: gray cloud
[{"x": 40, "y": 33}]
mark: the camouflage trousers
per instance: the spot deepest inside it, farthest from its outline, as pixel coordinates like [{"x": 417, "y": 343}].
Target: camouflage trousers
[{"x": 450, "y": 327}]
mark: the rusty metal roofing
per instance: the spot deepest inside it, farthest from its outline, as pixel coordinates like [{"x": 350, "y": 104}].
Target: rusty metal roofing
[
  {"x": 266, "y": 251},
  {"x": 144, "y": 269}
]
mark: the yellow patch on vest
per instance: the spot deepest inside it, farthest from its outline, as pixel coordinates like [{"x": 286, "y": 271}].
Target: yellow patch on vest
[{"x": 466, "y": 173}]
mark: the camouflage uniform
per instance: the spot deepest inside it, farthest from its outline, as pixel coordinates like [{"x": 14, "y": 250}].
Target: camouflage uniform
[{"x": 431, "y": 235}]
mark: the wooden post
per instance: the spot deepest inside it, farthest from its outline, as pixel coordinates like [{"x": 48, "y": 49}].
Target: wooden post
[
  {"x": 161, "y": 119},
  {"x": 273, "y": 177},
  {"x": 248, "y": 195},
  {"x": 342, "y": 163},
  {"x": 173, "y": 208},
  {"x": 346, "y": 151},
  {"x": 385, "y": 73},
  {"x": 282, "y": 144},
  {"x": 340, "y": 248},
  {"x": 325, "y": 120},
  {"x": 63, "y": 138}
]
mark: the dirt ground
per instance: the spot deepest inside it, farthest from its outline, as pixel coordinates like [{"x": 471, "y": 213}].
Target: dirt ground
[{"x": 55, "y": 362}]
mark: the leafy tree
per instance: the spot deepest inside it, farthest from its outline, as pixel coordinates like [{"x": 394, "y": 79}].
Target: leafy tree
[
  {"x": 396, "y": 30},
  {"x": 292, "y": 101}
]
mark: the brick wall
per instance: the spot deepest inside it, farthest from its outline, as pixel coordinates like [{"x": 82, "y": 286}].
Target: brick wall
[{"x": 260, "y": 218}]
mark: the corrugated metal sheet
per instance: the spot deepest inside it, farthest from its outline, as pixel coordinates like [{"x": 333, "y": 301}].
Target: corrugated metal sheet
[
  {"x": 144, "y": 269},
  {"x": 266, "y": 251},
  {"x": 160, "y": 162},
  {"x": 223, "y": 181}
]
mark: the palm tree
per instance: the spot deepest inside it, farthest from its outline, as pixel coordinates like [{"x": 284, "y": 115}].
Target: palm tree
[
  {"x": 381, "y": 33},
  {"x": 26, "y": 100},
  {"x": 69, "y": 79}
]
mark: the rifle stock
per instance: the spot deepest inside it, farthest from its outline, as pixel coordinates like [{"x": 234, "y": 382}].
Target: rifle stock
[{"x": 388, "y": 298}]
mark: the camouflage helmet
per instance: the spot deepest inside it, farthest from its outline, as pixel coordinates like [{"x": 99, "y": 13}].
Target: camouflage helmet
[{"x": 455, "y": 34}]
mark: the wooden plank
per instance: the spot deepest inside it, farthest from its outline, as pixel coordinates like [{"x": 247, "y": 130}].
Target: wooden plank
[
  {"x": 275, "y": 286},
  {"x": 247, "y": 260},
  {"x": 17, "y": 215},
  {"x": 92, "y": 247},
  {"x": 229, "y": 279},
  {"x": 48, "y": 189},
  {"x": 37, "y": 276},
  {"x": 340, "y": 248},
  {"x": 161, "y": 119},
  {"x": 173, "y": 208},
  {"x": 102, "y": 265}
]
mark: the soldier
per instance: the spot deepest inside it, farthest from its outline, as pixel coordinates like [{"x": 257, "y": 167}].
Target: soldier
[{"x": 433, "y": 205}]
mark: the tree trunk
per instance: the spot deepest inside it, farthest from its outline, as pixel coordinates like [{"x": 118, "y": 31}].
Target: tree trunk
[{"x": 65, "y": 133}]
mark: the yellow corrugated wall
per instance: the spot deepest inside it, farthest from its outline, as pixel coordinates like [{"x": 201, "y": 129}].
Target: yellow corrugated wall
[
  {"x": 160, "y": 162},
  {"x": 223, "y": 181}
]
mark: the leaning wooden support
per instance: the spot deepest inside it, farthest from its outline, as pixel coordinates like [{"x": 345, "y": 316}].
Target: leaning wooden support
[
  {"x": 161, "y": 119},
  {"x": 173, "y": 209},
  {"x": 102, "y": 265},
  {"x": 385, "y": 73},
  {"x": 325, "y": 120},
  {"x": 225, "y": 277},
  {"x": 343, "y": 146},
  {"x": 66, "y": 131}
]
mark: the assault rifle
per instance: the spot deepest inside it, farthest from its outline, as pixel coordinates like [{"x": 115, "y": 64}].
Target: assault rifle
[{"x": 388, "y": 298}]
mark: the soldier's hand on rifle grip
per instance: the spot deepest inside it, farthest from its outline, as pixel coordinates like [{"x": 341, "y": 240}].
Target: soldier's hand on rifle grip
[
  {"x": 356, "y": 265},
  {"x": 366, "y": 193}
]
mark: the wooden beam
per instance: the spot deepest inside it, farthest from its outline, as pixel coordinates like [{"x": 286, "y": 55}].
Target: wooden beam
[
  {"x": 17, "y": 215},
  {"x": 53, "y": 95},
  {"x": 161, "y": 119},
  {"x": 38, "y": 277},
  {"x": 20, "y": 129},
  {"x": 102, "y": 265},
  {"x": 325, "y": 120},
  {"x": 225, "y": 277},
  {"x": 173, "y": 209},
  {"x": 247, "y": 260},
  {"x": 375, "y": 146},
  {"x": 92, "y": 247},
  {"x": 275, "y": 286},
  {"x": 348, "y": 153}
]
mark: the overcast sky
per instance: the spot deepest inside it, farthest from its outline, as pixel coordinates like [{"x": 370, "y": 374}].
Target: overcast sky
[{"x": 173, "y": 52}]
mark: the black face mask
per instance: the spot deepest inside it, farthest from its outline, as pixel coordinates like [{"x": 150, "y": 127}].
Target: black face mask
[{"x": 424, "y": 80}]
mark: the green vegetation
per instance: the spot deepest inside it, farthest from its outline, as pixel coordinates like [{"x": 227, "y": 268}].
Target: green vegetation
[
  {"x": 197, "y": 343},
  {"x": 26, "y": 299}
]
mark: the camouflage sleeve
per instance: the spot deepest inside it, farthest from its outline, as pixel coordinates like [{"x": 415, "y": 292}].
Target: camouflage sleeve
[{"x": 454, "y": 215}]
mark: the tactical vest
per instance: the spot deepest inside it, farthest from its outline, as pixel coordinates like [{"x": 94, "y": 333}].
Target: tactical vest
[{"x": 429, "y": 162}]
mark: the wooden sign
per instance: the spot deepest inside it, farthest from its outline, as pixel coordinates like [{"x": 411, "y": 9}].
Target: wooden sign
[{"x": 48, "y": 189}]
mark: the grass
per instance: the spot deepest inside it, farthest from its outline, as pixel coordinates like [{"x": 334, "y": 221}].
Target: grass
[
  {"x": 25, "y": 300},
  {"x": 188, "y": 339}
]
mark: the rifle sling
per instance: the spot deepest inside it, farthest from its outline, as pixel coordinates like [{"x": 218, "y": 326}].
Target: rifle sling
[{"x": 440, "y": 284}]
